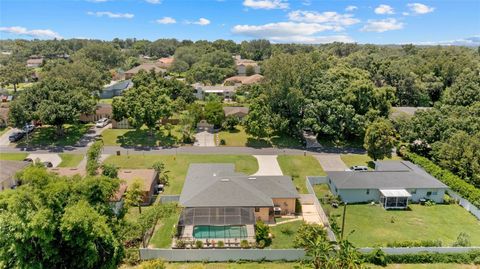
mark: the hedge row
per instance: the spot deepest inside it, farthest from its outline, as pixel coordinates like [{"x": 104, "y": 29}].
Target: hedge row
[
  {"x": 421, "y": 243},
  {"x": 427, "y": 257},
  {"x": 466, "y": 190}
]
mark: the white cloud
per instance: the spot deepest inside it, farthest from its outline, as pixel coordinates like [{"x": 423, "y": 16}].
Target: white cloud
[
  {"x": 351, "y": 8},
  {"x": 266, "y": 4},
  {"x": 473, "y": 41},
  {"x": 418, "y": 8},
  {"x": 281, "y": 29},
  {"x": 201, "y": 21},
  {"x": 111, "y": 14},
  {"x": 35, "y": 33},
  {"x": 382, "y": 25},
  {"x": 154, "y": 1},
  {"x": 329, "y": 17},
  {"x": 405, "y": 13},
  {"x": 384, "y": 9},
  {"x": 306, "y": 2},
  {"x": 166, "y": 20}
]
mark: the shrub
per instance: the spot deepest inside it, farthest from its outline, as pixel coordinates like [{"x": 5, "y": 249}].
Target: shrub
[
  {"x": 152, "y": 264},
  {"x": 422, "y": 243},
  {"x": 261, "y": 244},
  {"x": 223, "y": 142},
  {"x": 262, "y": 232},
  {"x": 431, "y": 257},
  {"x": 110, "y": 170},
  {"x": 198, "y": 244},
  {"x": 463, "y": 240},
  {"x": 447, "y": 199},
  {"x": 132, "y": 256},
  {"x": 466, "y": 190},
  {"x": 476, "y": 261},
  {"x": 429, "y": 203},
  {"x": 244, "y": 244},
  {"x": 181, "y": 244},
  {"x": 306, "y": 233},
  {"x": 220, "y": 244},
  {"x": 378, "y": 257}
]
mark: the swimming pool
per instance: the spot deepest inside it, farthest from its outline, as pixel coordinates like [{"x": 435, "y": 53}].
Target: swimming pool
[{"x": 205, "y": 231}]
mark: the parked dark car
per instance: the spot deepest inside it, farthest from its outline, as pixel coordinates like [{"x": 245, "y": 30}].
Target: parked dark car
[
  {"x": 28, "y": 160},
  {"x": 29, "y": 128},
  {"x": 16, "y": 136},
  {"x": 48, "y": 164}
]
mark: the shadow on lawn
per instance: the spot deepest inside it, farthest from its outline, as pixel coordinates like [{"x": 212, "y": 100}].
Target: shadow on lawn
[
  {"x": 143, "y": 138},
  {"x": 47, "y": 136}
]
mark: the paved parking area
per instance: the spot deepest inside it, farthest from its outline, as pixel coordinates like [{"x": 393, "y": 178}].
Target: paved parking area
[
  {"x": 331, "y": 162},
  {"x": 268, "y": 166},
  {"x": 47, "y": 157},
  {"x": 204, "y": 137}
]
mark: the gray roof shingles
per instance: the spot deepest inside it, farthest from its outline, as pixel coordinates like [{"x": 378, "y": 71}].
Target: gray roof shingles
[
  {"x": 212, "y": 185},
  {"x": 388, "y": 175}
]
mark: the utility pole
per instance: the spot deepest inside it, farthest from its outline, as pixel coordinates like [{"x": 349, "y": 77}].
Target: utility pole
[{"x": 343, "y": 219}]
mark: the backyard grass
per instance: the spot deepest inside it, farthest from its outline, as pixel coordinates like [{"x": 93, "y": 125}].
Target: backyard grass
[
  {"x": 361, "y": 159},
  {"x": 321, "y": 190},
  {"x": 299, "y": 167},
  {"x": 13, "y": 156},
  {"x": 135, "y": 138},
  {"x": 46, "y": 136},
  {"x": 375, "y": 226},
  {"x": 238, "y": 138},
  {"x": 70, "y": 160},
  {"x": 178, "y": 165},
  {"x": 162, "y": 238},
  {"x": 284, "y": 233}
]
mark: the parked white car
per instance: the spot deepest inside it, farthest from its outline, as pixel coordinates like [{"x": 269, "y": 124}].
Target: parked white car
[
  {"x": 102, "y": 122},
  {"x": 359, "y": 168}
]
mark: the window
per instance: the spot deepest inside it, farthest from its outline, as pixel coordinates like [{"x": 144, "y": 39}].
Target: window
[
  {"x": 257, "y": 209},
  {"x": 368, "y": 191},
  {"x": 429, "y": 193},
  {"x": 434, "y": 193},
  {"x": 414, "y": 191}
]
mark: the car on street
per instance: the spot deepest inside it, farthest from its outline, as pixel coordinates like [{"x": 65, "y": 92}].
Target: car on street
[
  {"x": 359, "y": 168},
  {"x": 102, "y": 122},
  {"x": 48, "y": 164},
  {"x": 16, "y": 136}
]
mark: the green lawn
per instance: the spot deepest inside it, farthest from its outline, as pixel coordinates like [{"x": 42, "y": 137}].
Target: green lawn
[
  {"x": 284, "y": 233},
  {"x": 361, "y": 159},
  {"x": 178, "y": 165},
  {"x": 106, "y": 101},
  {"x": 238, "y": 138},
  {"x": 321, "y": 190},
  {"x": 162, "y": 238},
  {"x": 242, "y": 265},
  {"x": 299, "y": 167},
  {"x": 46, "y": 136},
  {"x": 70, "y": 160},
  {"x": 375, "y": 226},
  {"x": 133, "y": 137},
  {"x": 13, "y": 156}
]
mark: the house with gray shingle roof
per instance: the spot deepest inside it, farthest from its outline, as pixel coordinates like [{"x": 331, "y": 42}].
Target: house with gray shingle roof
[
  {"x": 214, "y": 195},
  {"x": 392, "y": 183}
]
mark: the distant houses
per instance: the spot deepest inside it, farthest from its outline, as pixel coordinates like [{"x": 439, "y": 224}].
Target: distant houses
[
  {"x": 35, "y": 61},
  {"x": 157, "y": 67},
  {"x": 242, "y": 66},
  {"x": 202, "y": 91},
  {"x": 115, "y": 89},
  {"x": 243, "y": 80},
  {"x": 235, "y": 111}
]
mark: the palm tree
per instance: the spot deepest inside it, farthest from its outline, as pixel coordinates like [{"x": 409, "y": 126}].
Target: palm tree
[
  {"x": 320, "y": 250},
  {"x": 348, "y": 256}
]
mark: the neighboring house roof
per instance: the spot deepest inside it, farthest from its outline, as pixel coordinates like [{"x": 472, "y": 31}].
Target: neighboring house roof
[
  {"x": 146, "y": 177},
  {"x": 218, "y": 185},
  {"x": 35, "y": 61},
  {"x": 235, "y": 110},
  {"x": 245, "y": 79},
  {"x": 119, "y": 193},
  {"x": 165, "y": 62},
  {"x": 8, "y": 169},
  {"x": 388, "y": 175},
  {"x": 245, "y": 62},
  {"x": 68, "y": 171},
  {"x": 147, "y": 67}
]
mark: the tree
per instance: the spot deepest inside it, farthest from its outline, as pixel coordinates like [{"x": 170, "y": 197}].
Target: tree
[
  {"x": 187, "y": 125},
  {"x": 159, "y": 167},
  {"x": 54, "y": 102},
  {"x": 261, "y": 121},
  {"x": 214, "y": 113},
  {"x": 231, "y": 122},
  {"x": 65, "y": 224},
  {"x": 110, "y": 170},
  {"x": 257, "y": 50},
  {"x": 320, "y": 251},
  {"x": 103, "y": 53},
  {"x": 134, "y": 196},
  {"x": 465, "y": 90},
  {"x": 262, "y": 233},
  {"x": 143, "y": 105},
  {"x": 14, "y": 73},
  {"x": 93, "y": 157},
  {"x": 379, "y": 139}
]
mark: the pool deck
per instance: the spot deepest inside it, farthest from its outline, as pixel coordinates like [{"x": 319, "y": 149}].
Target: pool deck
[{"x": 187, "y": 236}]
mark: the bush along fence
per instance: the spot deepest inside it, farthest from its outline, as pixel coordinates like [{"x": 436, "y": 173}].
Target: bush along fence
[
  {"x": 453, "y": 255},
  {"x": 310, "y": 181},
  {"x": 461, "y": 188}
]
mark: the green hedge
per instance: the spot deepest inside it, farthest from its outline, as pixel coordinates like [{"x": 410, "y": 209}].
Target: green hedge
[
  {"x": 421, "y": 243},
  {"x": 466, "y": 190},
  {"x": 424, "y": 257}
]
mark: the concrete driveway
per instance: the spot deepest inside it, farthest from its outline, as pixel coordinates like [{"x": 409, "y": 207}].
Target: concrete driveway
[
  {"x": 47, "y": 157},
  {"x": 91, "y": 134},
  {"x": 331, "y": 162},
  {"x": 268, "y": 166},
  {"x": 204, "y": 137},
  {"x": 4, "y": 138}
]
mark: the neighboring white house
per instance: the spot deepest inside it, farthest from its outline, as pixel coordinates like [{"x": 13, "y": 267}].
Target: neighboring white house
[
  {"x": 225, "y": 92},
  {"x": 393, "y": 184},
  {"x": 242, "y": 64}
]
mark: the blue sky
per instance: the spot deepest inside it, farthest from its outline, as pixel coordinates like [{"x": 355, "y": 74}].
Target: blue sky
[{"x": 302, "y": 21}]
